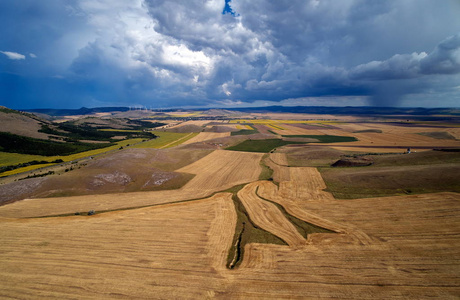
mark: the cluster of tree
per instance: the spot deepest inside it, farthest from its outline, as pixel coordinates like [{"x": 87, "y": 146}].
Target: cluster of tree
[
  {"x": 30, "y": 163},
  {"x": 26, "y": 145}
]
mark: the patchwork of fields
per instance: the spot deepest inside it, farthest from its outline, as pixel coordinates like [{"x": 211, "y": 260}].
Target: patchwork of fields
[{"x": 173, "y": 216}]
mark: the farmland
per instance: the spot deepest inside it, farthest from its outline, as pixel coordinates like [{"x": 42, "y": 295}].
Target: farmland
[{"x": 275, "y": 206}]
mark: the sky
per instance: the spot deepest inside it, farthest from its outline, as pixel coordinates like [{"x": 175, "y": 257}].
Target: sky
[{"x": 221, "y": 53}]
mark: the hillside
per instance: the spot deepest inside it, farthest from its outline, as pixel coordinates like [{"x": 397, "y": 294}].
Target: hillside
[{"x": 20, "y": 123}]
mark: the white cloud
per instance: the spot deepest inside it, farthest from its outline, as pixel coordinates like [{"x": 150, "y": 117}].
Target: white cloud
[
  {"x": 174, "y": 52},
  {"x": 13, "y": 55}
]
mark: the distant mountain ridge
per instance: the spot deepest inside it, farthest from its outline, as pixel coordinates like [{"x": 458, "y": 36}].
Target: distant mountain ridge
[
  {"x": 73, "y": 112},
  {"x": 352, "y": 110},
  {"x": 320, "y": 110}
]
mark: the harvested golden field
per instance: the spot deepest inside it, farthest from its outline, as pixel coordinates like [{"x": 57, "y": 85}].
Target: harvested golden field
[
  {"x": 222, "y": 169},
  {"x": 384, "y": 248},
  {"x": 389, "y": 135},
  {"x": 205, "y": 136},
  {"x": 278, "y": 163},
  {"x": 171, "y": 251}
]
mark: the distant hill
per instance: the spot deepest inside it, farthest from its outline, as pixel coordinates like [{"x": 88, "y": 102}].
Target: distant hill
[
  {"x": 74, "y": 112},
  {"x": 353, "y": 110},
  {"x": 21, "y": 123},
  {"x": 319, "y": 110}
]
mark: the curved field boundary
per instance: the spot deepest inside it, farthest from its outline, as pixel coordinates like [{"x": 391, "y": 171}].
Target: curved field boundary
[
  {"x": 297, "y": 208},
  {"x": 221, "y": 231},
  {"x": 269, "y": 217},
  {"x": 278, "y": 163}
]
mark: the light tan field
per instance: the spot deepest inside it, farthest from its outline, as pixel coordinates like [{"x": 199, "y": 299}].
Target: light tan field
[
  {"x": 205, "y": 136},
  {"x": 215, "y": 172},
  {"x": 278, "y": 163},
  {"x": 385, "y": 248},
  {"x": 196, "y": 123}
]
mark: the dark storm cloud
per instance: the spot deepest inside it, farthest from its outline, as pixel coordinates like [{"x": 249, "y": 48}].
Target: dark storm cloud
[{"x": 202, "y": 52}]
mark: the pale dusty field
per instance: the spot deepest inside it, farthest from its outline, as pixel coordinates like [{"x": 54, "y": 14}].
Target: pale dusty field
[
  {"x": 215, "y": 172},
  {"x": 205, "y": 136}
]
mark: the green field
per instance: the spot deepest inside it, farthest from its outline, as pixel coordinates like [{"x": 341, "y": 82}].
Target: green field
[
  {"x": 263, "y": 146},
  {"x": 244, "y": 132}
]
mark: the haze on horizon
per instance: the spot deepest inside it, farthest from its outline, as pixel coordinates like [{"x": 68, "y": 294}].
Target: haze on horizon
[{"x": 221, "y": 53}]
